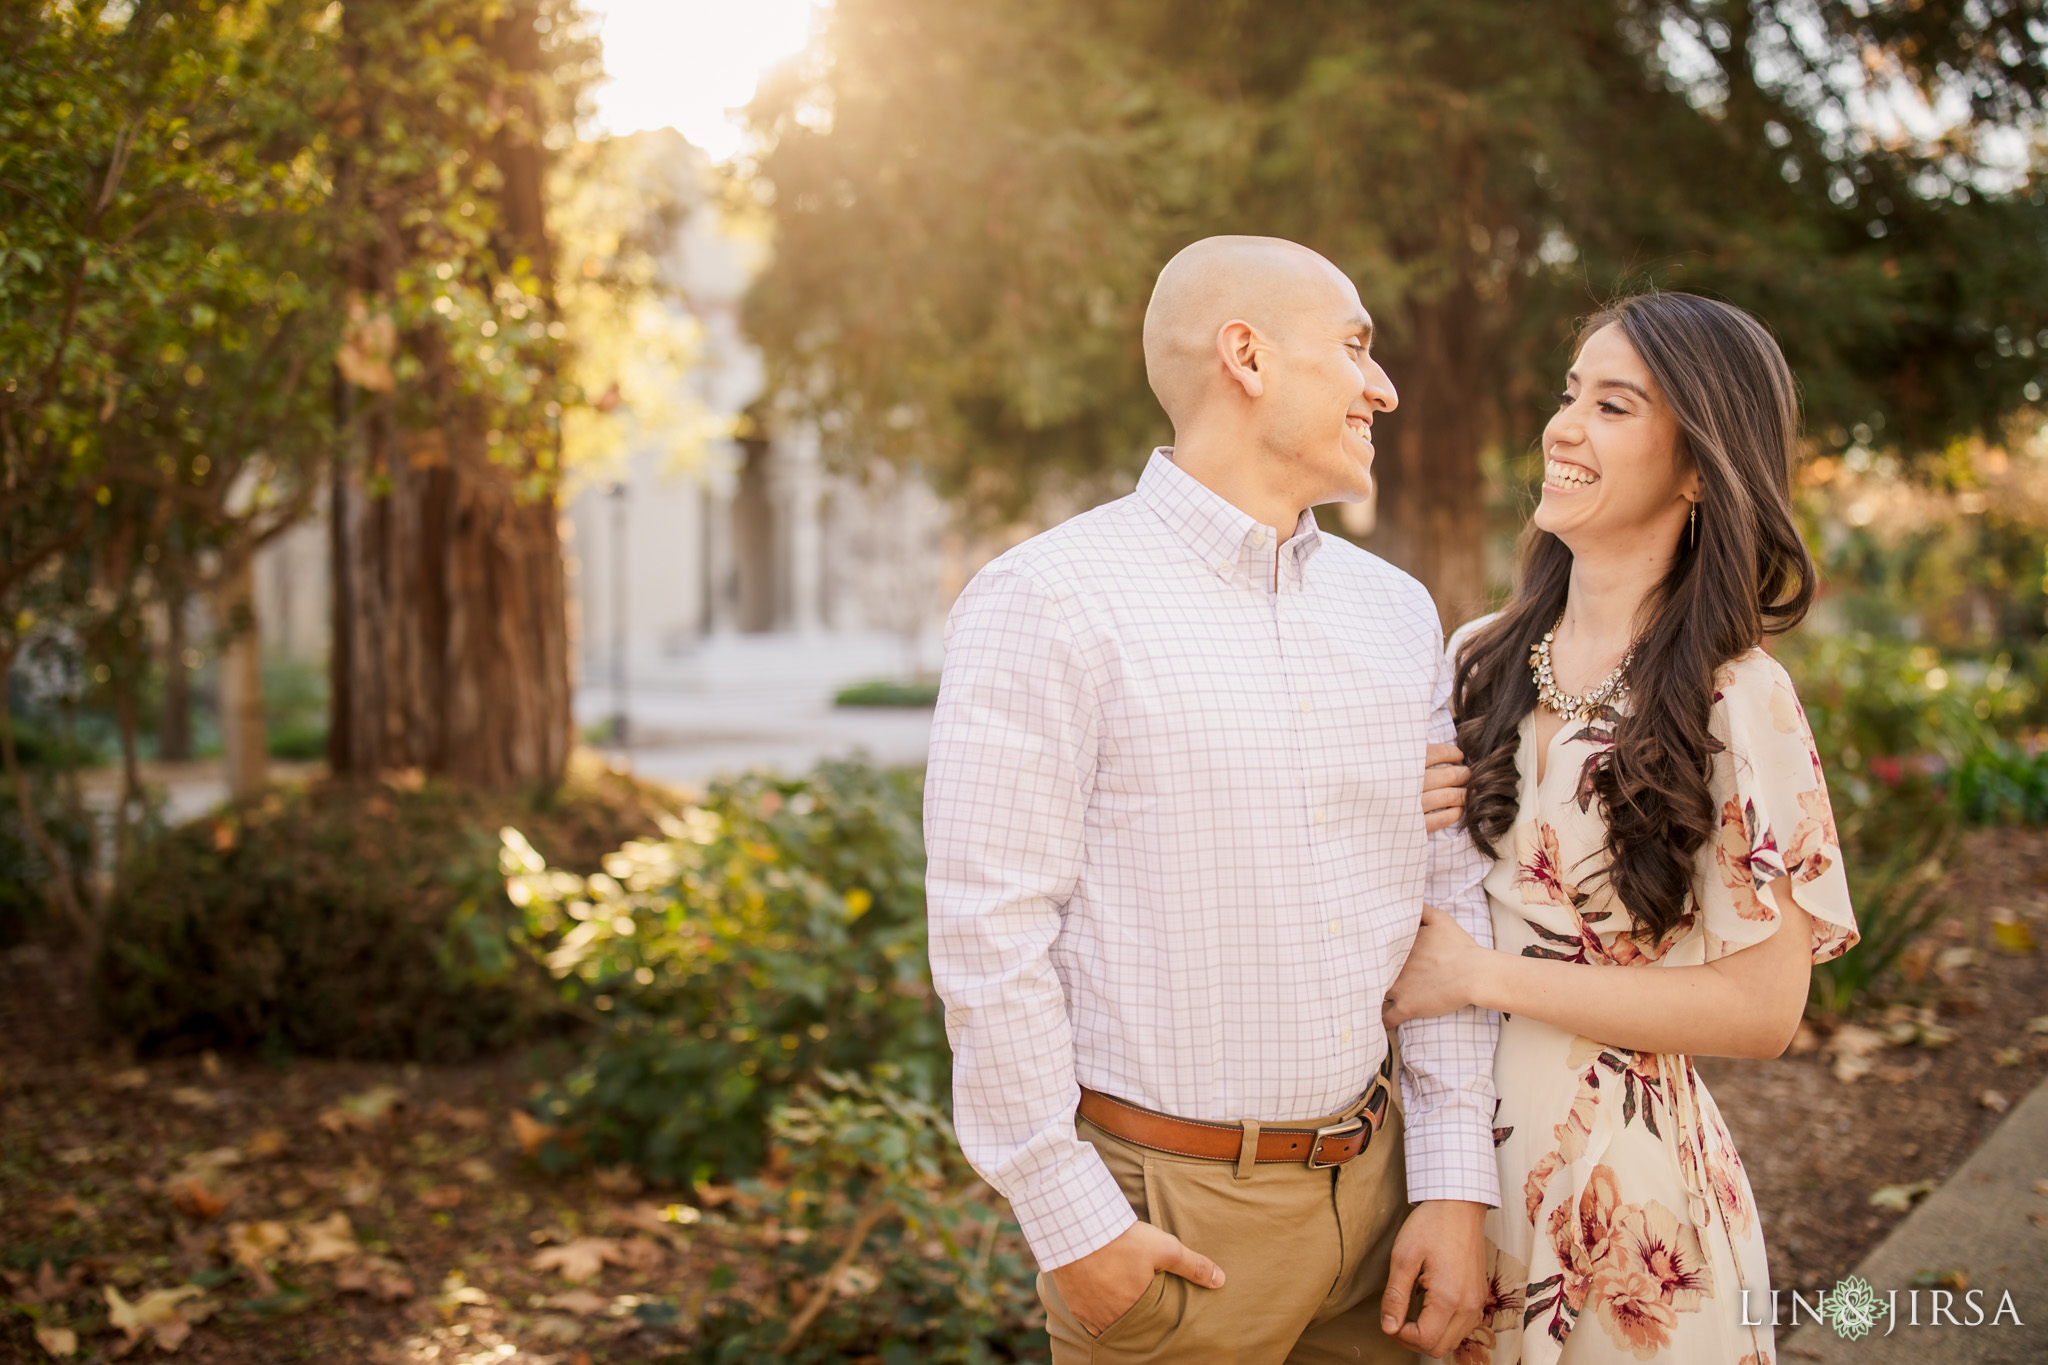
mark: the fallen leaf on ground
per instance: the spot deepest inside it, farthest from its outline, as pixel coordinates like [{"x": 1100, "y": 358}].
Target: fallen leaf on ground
[
  {"x": 2009, "y": 1056},
  {"x": 330, "y": 1239},
  {"x": 2041, "y": 1187},
  {"x": 266, "y": 1143},
  {"x": 378, "y": 1276},
  {"x": 529, "y": 1132},
  {"x": 478, "y": 1170},
  {"x": 46, "y": 1286},
  {"x": 856, "y": 1280},
  {"x": 2038, "y": 1024},
  {"x": 1995, "y": 1101},
  {"x": 441, "y": 1197},
  {"x": 579, "y": 1259},
  {"x": 167, "y": 1316},
  {"x": 459, "y": 1116},
  {"x": 192, "y": 1097},
  {"x": 618, "y": 1180},
  {"x": 579, "y": 1301},
  {"x": 134, "y": 1078},
  {"x": 1900, "y": 1197},
  {"x": 191, "y": 1197},
  {"x": 1804, "y": 1040},
  {"x": 1952, "y": 1277},
  {"x": 362, "y": 1111},
  {"x": 558, "y": 1330},
  {"x": 715, "y": 1196},
  {"x": 656, "y": 1221},
  {"x": 2010, "y": 934},
  {"x": 1854, "y": 1049},
  {"x": 68, "y": 1206},
  {"x": 2039, "y": 1220},
  {"x": 58, "y": 1341},
  {"x": 252, "y": 1243},
  {"x": 361, "y": 1186}
]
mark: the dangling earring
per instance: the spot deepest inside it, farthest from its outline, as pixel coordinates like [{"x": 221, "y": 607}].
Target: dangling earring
[{"x": 1692, "y": 528}]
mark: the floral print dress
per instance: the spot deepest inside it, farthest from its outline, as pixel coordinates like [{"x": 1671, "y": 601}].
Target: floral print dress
[{"x": 1627, "y": 1230}]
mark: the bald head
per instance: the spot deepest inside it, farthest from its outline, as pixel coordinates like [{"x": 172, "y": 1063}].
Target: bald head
[{"x": 1275, "y": 286}]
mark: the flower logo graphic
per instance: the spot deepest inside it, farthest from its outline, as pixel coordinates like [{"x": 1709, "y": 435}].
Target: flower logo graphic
[{"x": 1853, "y": 1307}]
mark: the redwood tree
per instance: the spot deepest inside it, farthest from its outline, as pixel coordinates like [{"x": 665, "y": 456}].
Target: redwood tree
[{"x": 450, "y": 647}]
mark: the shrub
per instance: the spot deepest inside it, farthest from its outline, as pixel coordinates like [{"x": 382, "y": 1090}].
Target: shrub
[
  {"x": 25, "y": 876},
  {"x": 910, "y": 694},
  {"x": 909, "y": 1257},
  {"x": 774, "y": 930},
  {"x": 343, "y": 920}
]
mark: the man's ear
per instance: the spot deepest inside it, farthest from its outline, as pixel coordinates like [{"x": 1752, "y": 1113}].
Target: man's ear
[{"x": 1242, "y": 353}]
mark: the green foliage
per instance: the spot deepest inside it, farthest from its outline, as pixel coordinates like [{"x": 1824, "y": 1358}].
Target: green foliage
[
  {"x": 295, "y": 708},
  {"x": 774, "y": 930},
  {"x": 338, "y": 921},
  {"x": 888, "y": 694},
  {"x": 929, "y": 1265},
  {"x": 24, "y": 873},
  {"x": 970, "y": 203},
  {"x": 2001, "y": 784}
]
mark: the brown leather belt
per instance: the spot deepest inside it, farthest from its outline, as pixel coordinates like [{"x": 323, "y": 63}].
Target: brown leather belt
[{"x": 1333, "y": 1144}]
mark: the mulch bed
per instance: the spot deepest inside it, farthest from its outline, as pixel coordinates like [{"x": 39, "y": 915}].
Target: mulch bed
[{"x": 1817, "y": 1149}]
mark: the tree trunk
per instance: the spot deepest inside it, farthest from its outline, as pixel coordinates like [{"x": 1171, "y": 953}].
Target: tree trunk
[
  {"x": 1430, "y": 509},
  {"x": 241, "y": 683},
  {"x": 450, "y": 629},
  {"x": 174, "y": 728},
  {"x": 451, "y": 641}
]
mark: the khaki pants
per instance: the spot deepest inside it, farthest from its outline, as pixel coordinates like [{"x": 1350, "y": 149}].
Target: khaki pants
[{"x": 1304, "y": 1256}]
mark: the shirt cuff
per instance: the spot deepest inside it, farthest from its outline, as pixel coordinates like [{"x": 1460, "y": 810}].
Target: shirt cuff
[
  {"x": 1450, "y": 1156},
  {"x": 1072, "y": 1210}
]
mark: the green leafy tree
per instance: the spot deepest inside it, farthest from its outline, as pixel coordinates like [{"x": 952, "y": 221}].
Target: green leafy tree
[{"x": 970, "y": 203}]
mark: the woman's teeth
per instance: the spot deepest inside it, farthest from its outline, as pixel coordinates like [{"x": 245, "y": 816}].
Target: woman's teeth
[
  {"x": 1568, "y": 475},
  {"x": 1358, "y": 426}
]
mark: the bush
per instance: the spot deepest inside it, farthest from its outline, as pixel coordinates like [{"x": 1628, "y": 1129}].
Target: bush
[
  {"x": 343, "y": 920},
  {"x": 776, "y": 929},
  {"x": 25, "y": 877},
  {"x": 909, "y": 694},
  {"x": 908, "y": 1257}
]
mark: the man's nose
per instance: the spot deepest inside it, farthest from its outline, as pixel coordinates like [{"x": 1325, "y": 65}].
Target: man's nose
[{"x": 1379, "y": 389}]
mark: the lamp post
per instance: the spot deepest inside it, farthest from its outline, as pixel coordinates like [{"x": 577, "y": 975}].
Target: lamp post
[{"x": 619, "y": 709}]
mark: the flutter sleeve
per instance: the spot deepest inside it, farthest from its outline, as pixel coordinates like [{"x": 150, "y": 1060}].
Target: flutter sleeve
[{"x": 1773, "y": 818}]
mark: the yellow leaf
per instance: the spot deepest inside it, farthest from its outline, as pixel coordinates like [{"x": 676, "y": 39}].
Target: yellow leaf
[
  {"x": 2011, "y": 935},
  {"x": 58, "y": 1341},
  {"x": 1900, "y": 1197},
  {"x": 161, "y": 1314},
  {"x": 330, "y": 1239}
]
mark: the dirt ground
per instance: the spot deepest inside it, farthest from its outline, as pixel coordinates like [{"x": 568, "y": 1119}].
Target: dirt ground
[
  {"x": 1817, "y": 1149},
  {"x": 348, "y": 1212}
]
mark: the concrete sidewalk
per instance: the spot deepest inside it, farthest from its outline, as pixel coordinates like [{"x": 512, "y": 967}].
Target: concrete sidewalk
[{"x": 1981, "y": 1222}]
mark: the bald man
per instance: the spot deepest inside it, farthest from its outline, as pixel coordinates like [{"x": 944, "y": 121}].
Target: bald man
[{"x": 1177, "y": 856}]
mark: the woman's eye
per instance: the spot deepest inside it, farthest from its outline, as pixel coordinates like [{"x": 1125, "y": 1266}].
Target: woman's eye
[
  {"x": 1564, "y": 400},
  {"x": 1613, "y": 409}
]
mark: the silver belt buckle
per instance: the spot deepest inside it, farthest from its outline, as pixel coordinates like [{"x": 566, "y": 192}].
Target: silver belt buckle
[{"x": 1344, "y": 1129}]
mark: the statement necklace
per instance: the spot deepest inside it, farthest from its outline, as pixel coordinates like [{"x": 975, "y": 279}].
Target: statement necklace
[{"x": 1563, "y": 703}]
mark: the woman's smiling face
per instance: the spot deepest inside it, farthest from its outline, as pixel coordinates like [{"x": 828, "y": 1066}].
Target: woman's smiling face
[{"x": 1612, "y": 471}]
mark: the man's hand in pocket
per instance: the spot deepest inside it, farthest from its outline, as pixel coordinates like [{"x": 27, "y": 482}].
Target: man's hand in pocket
[{"x": 1108, "y": 1282}]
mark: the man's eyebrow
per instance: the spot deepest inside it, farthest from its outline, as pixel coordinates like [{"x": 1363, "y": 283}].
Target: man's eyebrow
[
  {"x": 1362, "y": 325},
  {"x": 1638, "y": 390}
]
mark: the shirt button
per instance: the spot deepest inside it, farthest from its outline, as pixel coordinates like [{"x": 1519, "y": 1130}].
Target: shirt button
[
  {"x": 1306, "y": 707},
  {"x": 1336, "y": 927},
  {"x": 1319, "y": 817},
  {"x": 1258, "y": 537},
  {"x": 1223, "y": 567},
  {"x": 1345, "y": 1036}
]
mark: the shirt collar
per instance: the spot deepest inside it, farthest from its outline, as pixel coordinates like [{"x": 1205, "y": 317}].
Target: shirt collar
[{"x": 1227, "y": 540}]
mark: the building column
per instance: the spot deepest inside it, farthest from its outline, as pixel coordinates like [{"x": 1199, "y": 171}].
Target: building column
[
  {"x": 803, "y": 493},
  {"x": 721, "y": 564}
]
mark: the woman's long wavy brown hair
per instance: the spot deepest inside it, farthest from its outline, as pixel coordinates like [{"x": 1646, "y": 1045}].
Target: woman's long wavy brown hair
[{"x": 1747, "y": 574}]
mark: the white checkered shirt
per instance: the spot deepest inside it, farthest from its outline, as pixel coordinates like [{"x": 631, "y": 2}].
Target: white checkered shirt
[{"x": 1174, "y": 819}]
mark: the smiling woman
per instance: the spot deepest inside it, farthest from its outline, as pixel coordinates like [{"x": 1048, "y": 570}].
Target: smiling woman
[{"x": 684, "y": 64}]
